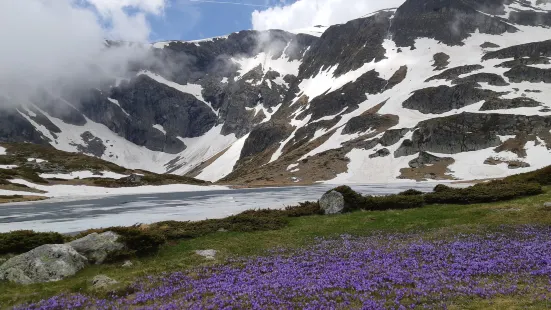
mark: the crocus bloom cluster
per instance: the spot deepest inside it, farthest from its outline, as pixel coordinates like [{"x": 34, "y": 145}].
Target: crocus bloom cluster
[{"x": 382, "y": 271}]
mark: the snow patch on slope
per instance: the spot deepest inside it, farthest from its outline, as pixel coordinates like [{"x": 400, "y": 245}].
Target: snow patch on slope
[
  {"x": 223, "y": 165},
  {"x": 160, "y": 128},
  {"x": 363, "y": 169},
  {"x": 203, "y": 148},
  {"x": 315, "y": 31},
  {"x": 8, "y": 166},
  {"x": 116, "y": 102},
  {"x": 69, "y": 191},
  {"x": 192, "y": 89},
  {"x": 3, "y": 151},
  {"x": 118, "y": 150},
  {"x": 83, "y": 175},
  {"x": 282, "y": 64}
]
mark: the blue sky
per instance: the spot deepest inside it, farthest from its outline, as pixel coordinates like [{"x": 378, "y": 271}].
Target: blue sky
[{"x": 187, "y": 20}]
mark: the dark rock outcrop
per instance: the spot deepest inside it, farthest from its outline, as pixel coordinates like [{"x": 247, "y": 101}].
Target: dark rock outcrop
[
  {"x": 530, "y": 18},
  {"x": 470, "y": 132},
  {"x": 447, "y": 21},
  {"x": 524, "y": 61},
  {"x": 347, "y": 97},
  {"x": 264, "y": 136},
  {"x": 393, "y": 136},
  {"x": 441, "y": 61},
  {"x": 380, "y": 153},
  {"x": 499, "y": 103},
  {"x": 343, "y": 45},
  {"x": 520, "y": 74},
  {"x": 15, "y": 128},
  {"x": 397, "y": 77},
  {"x": 437, "y": 100},
  {"x": 530, "y": 50},
  {"x": 454, "y": 73},
  {"x": 490, "y": 78},
  {"x": 365, "y": 122},
  {"x": 93, "y": 145}
]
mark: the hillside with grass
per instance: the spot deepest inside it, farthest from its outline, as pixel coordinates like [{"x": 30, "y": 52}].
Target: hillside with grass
[
  {"x": 482, "y": 247},
  {"x": 32, "y": 170}
]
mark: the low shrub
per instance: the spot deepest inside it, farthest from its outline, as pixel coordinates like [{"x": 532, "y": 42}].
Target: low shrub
[
  {"x": 11, "y": 196},
  {"x": 304, "y": 209},
  {"x": 30, "y": 175},
  {"x": 483, "y": 192},
  {"x": 174, "y": 230},
  {"x": 393, "y": 202},
  {"x": 411, "y": 192},
  {"x": 8, "y": 172},
  {"x": 139, "y": 241},
  {"x": 21, "y": 241},
  {"x": 541, "y": 176},
  {"x": 352, "y": 199},
  {"x": 249, "y": 222}
]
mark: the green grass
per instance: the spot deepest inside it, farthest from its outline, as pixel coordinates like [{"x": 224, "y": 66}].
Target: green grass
[
  {"x": 436, "y": 220},
  {"x": 18, "y": 153}
]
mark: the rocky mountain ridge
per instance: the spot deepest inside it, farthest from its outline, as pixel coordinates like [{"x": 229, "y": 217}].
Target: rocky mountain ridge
[{"x": 436, "y": 89}]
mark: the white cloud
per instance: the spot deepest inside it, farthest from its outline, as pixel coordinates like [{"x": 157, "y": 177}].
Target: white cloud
[
  {"x": 106, "y": 7},
  {"x": 123, "y": 25},
  {"x": 308, "y": 13},
  {"x": 53, "y": 44}
]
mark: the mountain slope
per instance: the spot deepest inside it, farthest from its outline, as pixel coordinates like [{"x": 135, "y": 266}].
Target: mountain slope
[{"x": 436, "y": 89}]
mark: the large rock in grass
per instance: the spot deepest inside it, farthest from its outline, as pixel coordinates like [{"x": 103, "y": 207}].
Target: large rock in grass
[
  {"x": 102, "y": 282},
  {"x": 97, "y": 247},
  {"x": 332, "y": 202},
  {"x": 47, "y": 263}
]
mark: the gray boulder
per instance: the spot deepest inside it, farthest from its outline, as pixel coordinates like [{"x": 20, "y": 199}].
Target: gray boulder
[
  {"x": 127, "y": 264},
  {"x": 96, "y": 247},
  {"x": 332, "y": 202},
  {"x": 46, "y": 263},
  {"x": 207, "y": 254},
  {"x": 101, "y": 282},
  {"x": 547, "y": 205}
]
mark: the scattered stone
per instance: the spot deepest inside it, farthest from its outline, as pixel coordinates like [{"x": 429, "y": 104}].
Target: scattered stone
[
  {"x": 208, "y": 254},
  {"x": 441, "y": 61},
  {"x": 430, "y": 176},
  {"x": 489, "y": 45},
  {"x": 127, "y": 264},
  {"x": 96, "y": 247},
  {"x": 222, "y": 230},
  {"x": 135, "y": 178},
  {"x": 518, "y": 165},
  {"x": 332, "y": 202},
  {"x": 500, "y": 103},
  {"x": 380, "y": 153},
  {"x": 425, "y": 159},
  {"x": 46, "y": 263},
  {"x": 547, "y": 205},
  {"x": 101, "y": 282}
]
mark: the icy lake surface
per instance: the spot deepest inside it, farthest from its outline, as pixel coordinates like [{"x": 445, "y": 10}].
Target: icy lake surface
[{"x": 65, "y": 216}]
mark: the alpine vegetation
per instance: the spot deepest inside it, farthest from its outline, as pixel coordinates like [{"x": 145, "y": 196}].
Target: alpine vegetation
[{"x": 381, "y": 271}]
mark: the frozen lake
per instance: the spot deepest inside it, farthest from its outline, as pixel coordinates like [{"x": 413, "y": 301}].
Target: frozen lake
[{"x": 79, "y": 214}]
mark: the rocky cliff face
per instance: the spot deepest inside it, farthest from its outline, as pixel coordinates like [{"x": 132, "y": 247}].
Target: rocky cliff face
[{"x": 436, "y": 89}]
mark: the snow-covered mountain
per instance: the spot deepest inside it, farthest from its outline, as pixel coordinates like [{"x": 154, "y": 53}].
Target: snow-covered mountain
[{"x": 435, "y": 89}]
